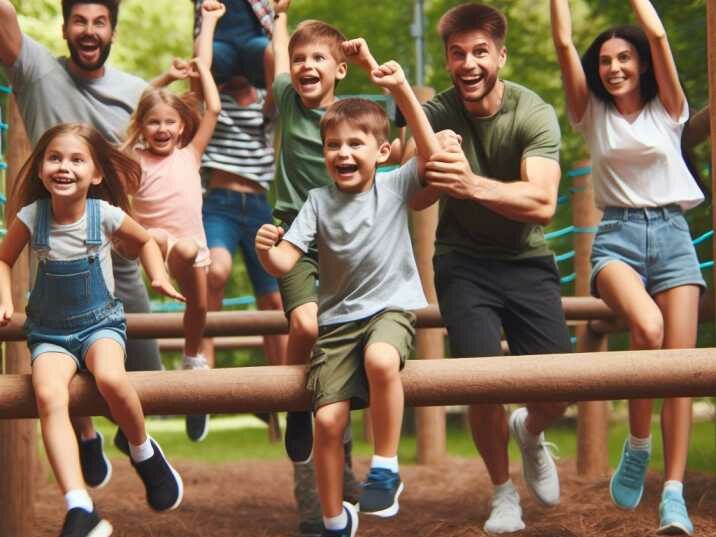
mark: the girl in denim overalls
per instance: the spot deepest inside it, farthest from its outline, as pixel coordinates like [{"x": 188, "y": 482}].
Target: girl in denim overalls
[
  {"x": 72, "y": 194},
  {"x": 625, "y": 97}
]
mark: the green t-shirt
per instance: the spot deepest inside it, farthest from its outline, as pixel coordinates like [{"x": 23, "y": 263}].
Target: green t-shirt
[
  {"x": 525, "y": 126},
  {"x": 300, "y": 166}
]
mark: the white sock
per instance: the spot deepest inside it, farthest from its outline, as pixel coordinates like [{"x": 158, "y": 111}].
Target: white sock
[
  {"x": 336, "y": 522},
  {"x": 79, "y": 498},
  {"x": 675, "y": 486},
  {"x": 505, "y": 488},
  {"x": 643, "y": 444},
  {"x": 390, "y": 463},
  {"x": 142, "y": 452}
]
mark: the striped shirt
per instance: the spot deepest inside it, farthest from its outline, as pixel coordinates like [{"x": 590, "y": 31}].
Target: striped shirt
[{"x": 242, "y": 142}]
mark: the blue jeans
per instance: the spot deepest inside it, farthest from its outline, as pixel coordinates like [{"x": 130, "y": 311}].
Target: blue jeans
[
  {"x": 655, "y": 242},
  {"x": 231, "y": 221}
]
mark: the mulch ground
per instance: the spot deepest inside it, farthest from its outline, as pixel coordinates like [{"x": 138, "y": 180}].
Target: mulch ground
[{"x": 251, "y": 498}]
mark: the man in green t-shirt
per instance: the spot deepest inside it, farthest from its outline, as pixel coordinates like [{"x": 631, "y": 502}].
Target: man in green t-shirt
[{"x": 493, "y": 269}]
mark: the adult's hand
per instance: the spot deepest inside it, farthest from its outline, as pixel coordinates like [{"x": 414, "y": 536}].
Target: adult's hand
[{"x": 449, "y": 172}]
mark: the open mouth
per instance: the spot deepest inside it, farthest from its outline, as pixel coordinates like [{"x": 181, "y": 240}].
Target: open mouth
[
  {"x": 309, "y": 80},
  {"x": 347, "y": 168},
  {"x": 471, "y": 81},
  {"x": 63, "y": 180}
]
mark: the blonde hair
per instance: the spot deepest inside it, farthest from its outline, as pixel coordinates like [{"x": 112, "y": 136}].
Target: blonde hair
[
  {"x": 120, "y": 173},
  {"x": 187, "y": 106}
]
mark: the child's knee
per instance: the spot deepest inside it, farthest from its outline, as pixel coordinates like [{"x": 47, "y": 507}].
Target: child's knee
[
  {"x": 112, "y": 384},
  {"x": 51, "y": 397},
  {"x": 382, "y": 362},
  {"x": 185, "y": 251},
  {"x": 218, "y": 274},
  {"x": 331, "y": 421}
]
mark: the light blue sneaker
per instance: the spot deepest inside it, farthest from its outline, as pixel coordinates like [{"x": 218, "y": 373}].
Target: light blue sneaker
[
  {"x": 627, "y": 483},
  {"x": 673, "y": 515}
]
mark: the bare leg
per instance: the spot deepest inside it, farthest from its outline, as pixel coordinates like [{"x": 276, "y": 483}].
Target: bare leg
[
  {"x": 105, "y": 360},
  {"x": 382, "y": 365},
  {"x": 331, "y": 421},
  {"x": 488, "y": 424},
  {"x": 51, "y": 375},
  {"x": 680, "y": 309},
  {"x": 219, "y": 273},
  {"x": 192, "y": 281}
]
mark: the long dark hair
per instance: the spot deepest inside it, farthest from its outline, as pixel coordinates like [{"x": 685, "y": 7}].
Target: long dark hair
[
  {"x": 120, "y": 173},
  {"x": 637, "y": 38}
]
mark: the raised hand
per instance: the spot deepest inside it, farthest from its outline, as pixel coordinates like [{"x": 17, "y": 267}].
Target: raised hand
[
  {"x": 267, "y": 237},
  {"x": 390, "y": 75},
  {"x": 181, "y": 69},
  {"x": 357, "y": 51},
  {"x": 212, "y": 9},
  {"x": 281, "y": 6}
]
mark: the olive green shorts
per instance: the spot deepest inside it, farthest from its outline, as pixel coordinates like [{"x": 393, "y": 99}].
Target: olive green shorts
[
  {"x": 337, "y": 369},
  {"x": 298, "y": 286}
]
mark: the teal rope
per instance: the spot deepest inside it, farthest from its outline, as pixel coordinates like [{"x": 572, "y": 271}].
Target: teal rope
[
  {"x": 167, "y": 307},
  {"x": 559, "y": 233},
  {"x": 579, "y": 172},
  {"x": 3, "y": 166},
  {"x": 564, "y": 280},
  {"x": 702, "y": 238},
  {"x": 564, "y": 256},
  {"x": 3, "y": 126},
  {"x": 564, "y": 198},
  {"x": 5, "y": 89},
  {"x": 706, "y": 265}
]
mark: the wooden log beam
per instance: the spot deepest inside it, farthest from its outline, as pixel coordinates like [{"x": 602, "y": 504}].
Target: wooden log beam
[{"x": 518, "y": 379}]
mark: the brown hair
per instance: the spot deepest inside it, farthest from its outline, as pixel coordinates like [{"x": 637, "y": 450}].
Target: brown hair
[
  {"x": 311, "y": 31},
  {"x": 360, "y": 113},
  {"x": 467, "y": 17},
  {"x": 120, "y": 173},
  {"x": 187, "y": 106},
  {"x": 111, "y": 5}
]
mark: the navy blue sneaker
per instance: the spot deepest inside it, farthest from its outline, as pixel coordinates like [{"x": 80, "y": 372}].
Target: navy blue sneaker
[
  {"x": 121, "y": 442},
  {"x": 81, "y": 523},
  {"x": 352, "y": 526},
  {"x": 96, "y": 468},
  {"x": 380, "y": 493},
  {"x": 162, "y": 483}
]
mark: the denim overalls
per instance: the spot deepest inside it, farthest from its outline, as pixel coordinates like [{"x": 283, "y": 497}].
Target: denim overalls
[{"x": 70, "y": 306}]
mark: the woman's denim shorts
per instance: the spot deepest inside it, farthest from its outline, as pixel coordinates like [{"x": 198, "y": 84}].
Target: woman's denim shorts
[{"x": 655, "y": 242}]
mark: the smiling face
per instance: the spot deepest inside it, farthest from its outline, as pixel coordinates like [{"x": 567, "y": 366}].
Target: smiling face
[
  {"x": 352, "y": 156},
  {"x": 162, "y": 128},
  {"x": 474, "y": 61},
  {"x": 88, "y": 32},
  {"x": 68, "y": 169},
  {"x": 620, "y": 68},
  {"x": 314, "y": 73}
]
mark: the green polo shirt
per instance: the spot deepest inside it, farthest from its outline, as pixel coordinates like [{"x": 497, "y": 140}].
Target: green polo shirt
[{"x": 524, "y": 126}]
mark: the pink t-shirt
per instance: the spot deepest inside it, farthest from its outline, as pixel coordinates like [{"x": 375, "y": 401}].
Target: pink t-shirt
[{"x": 169, "y": 197}]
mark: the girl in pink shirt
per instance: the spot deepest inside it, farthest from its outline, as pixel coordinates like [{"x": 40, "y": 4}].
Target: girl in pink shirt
[{"x": 168, "y": 136}]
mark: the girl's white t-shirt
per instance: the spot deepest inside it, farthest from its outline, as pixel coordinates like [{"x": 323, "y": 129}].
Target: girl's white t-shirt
[
  {"x": 637, "y": 163},
  {"x": 67, "y": 241}
]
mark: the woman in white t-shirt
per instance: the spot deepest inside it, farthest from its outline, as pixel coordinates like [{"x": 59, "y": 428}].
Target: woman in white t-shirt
[{"x": 624, "y": 96}]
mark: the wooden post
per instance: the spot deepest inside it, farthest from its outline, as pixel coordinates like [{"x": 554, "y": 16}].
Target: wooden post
[
  {"x": 593, "y": 421},
  {"x": 429, "y": 421},
  {"x": 18, "y": 445},
  {"x": 711, "y": 44}
]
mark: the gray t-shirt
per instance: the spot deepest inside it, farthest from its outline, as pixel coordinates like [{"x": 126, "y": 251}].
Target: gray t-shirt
[
  {"x": 67, "y": 241},
  {"x": 365, "y": 255},
  {"x": 48, "y": 94}
]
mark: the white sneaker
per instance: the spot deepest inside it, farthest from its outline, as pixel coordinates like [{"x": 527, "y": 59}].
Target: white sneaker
[
  {"x": 538, "y": 467},
  {"x": 506, "y": 514},
  {"x": 195, "y": 362}
]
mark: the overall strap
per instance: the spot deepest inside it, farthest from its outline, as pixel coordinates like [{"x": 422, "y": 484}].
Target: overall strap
[
  {"x": 41, "y": 232},
  {"x": 94, "y": 223}
]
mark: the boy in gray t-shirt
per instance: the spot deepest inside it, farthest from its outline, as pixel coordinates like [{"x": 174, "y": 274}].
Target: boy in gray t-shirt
[{"x": 368, "y": 282}]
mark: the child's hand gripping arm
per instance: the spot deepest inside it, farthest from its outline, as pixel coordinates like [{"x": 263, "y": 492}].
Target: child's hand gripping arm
[
  {"x": 139, "y": 238},
  {"x": 278, "y": 258},
  {"x": 279, "y": 40},
  {"x": 17, "y": 237},
  {"x": 213, "y": 107}
]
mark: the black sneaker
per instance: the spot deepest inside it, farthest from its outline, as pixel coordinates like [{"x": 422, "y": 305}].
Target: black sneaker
[
  {"x": 96, "y": 468},
  {"x": 352, "y": 526},
  {"x": 380, "y": 493},
  {"x": 197, "y": 427},
  {"x": 162, "y": 482},
  {"x": 299, "y": 436},
  {"x": 121, "y": 442},
  {"x": 80, "y": 523}
]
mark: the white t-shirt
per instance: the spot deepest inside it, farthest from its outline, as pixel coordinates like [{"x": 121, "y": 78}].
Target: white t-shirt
[
  {"x": 637, "y": 163},
  {"x": 365, "y": 257},
  {"x": 67, "y": 241}
]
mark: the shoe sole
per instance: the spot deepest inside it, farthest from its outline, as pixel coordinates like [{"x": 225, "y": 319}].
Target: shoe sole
[
  {"x": 103, "y": 529},
  {"x": 389, "y": 511},
  {"x": 109, "y": 467},
  {"x": 673, "y": 529},
  {"x": 533, "y": 492},
  {"x": 205, "y": 432},
  {"x": 177, "y": 477}
]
